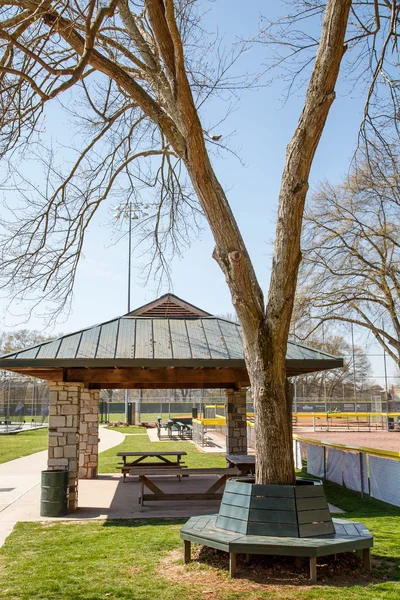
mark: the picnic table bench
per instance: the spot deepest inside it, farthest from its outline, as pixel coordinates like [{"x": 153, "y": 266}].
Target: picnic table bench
[
  {"x": 181, "y": 426},
  {"x": 164, "y": 460},
  {"x": 184, "y": 428},
  {"x": 211, "y": 493}
]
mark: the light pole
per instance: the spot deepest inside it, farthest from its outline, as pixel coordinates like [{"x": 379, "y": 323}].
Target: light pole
[{"x": 131, "y": 212}]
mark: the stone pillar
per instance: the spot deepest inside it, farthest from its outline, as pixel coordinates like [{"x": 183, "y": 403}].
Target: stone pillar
[
  {"x": 64, "y": 433},
  {"x": 236, "y": 428},
  {"x": 89, "y": 434}
]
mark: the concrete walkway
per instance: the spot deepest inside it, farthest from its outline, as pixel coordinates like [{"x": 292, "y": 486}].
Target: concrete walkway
[{"x": 20, "y": 484}]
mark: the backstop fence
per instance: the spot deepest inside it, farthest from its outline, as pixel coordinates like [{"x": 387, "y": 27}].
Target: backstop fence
[{"x": 23, "y": 404}]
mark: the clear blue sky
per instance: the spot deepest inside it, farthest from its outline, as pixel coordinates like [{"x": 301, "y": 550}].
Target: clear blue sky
[{"x": 263, "y": 127}]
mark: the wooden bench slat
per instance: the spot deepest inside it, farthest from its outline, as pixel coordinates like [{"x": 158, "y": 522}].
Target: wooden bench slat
[
  {"x": 170, "y": 497},
  {"x": 312, "y": 516},
  {"x": 152, "y": 454},
  {"x": 183, "y": 471}
]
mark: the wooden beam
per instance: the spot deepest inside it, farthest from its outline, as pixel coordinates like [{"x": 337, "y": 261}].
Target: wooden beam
[
  {"x": 165, "y": 386},
  {"x": 47, "y": 374},
  {"x": 179, "y": 376}
]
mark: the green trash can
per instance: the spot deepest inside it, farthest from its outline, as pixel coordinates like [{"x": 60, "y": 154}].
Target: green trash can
[{"x": 55, "y": 492}]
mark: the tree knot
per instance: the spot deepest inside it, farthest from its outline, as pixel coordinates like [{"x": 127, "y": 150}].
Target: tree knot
[
  {"x": 50, "y": 19},
  {"x": 235, "y": 256}
]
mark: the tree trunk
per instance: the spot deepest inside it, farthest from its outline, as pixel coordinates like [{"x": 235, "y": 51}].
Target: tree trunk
[
  {"x": 273, "y": 399},
  {"x": 265, "y": 356}
]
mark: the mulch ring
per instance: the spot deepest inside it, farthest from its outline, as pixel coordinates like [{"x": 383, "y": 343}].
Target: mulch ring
[{"x": 208, "y": 573}]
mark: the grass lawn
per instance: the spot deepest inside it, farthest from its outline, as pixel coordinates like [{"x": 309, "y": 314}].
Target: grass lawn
[
  {"x": 22, "y": 444},
  {"x": 129, "y": 429},
  {"x": 142, "y": 560},
  {"x": 141, "y": 443}
]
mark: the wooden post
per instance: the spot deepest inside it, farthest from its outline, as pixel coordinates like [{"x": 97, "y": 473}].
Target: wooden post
[
  {"x": 186, "y": 551},
  {"x": 366, "y": 555},
  {"x": 232, "y": 564},
  {"x": 313, "y": 569}
]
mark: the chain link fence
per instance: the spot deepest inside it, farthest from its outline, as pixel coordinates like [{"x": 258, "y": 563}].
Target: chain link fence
[{"x": 24, "y": 404}]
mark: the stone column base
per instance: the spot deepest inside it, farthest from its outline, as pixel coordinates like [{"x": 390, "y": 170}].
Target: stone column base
[{"x": 236, "y": 427}]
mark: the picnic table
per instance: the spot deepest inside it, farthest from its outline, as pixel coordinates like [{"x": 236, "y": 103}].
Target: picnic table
[
  {"x": 184, "y": 428},
  {"x": 163, "y": 460},
  {"x": 213, "y": 492},
  {"x": 246, "y": 463}
]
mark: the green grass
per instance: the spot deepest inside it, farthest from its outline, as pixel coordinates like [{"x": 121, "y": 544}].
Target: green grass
[
  {"x": 124, "y": 560},
  {"x": 87, "y": 561},
  {"x": 22, "y": 444},
  {"x": 129, "y": 429},
  {"x": 140, "y": 443}
]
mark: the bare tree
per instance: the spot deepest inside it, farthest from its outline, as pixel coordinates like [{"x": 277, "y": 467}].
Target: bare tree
[
  {"x": 20, "y": 338},
  {"x": 135, "y": 66},
  {"x": 370, "y": 63},
  {"x": 337, "y": 383},
  {"x": 351, "y": 252}
]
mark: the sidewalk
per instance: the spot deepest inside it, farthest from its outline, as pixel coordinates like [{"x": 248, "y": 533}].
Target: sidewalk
[{"x": 20, "y": 484}]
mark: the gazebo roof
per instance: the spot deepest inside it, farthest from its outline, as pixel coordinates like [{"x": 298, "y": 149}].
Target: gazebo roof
[{"x": 166, "y": 343}]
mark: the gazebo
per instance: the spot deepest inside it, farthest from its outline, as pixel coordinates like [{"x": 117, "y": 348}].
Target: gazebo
[{"x": 166, "y": 344}]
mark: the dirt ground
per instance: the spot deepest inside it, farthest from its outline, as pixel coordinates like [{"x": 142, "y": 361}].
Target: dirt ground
[
  {"x": 277, "y": 576},
  {"x": 382, "y": 440}
]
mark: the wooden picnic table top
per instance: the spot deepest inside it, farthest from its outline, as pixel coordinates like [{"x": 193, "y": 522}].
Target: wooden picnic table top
[
  {"x": 185, "y": 471},
  {"x": 241, "y": 459},
  {"x": 150, "y": 454}
]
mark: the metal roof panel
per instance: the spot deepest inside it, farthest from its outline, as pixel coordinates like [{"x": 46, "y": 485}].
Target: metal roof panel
[
  {"x": 215, "y": 340},
  {"x": 180, "y": 339},
  {"x": 108, "y": 340},
  {"x": 30, "y": 353},
  {"x": 197, "y": 339},
  {"x": 69, "y": 346},
  {"x": 162, "y": 340},
  {"x": 49, "y": 349},
  {"x": 88, "y": 346},
  {"x": 232, "y": 338},
  {"x": 126, "y": 338},
  {"x": 144, "y": 339}
]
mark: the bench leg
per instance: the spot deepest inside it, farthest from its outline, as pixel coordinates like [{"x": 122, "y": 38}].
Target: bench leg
[
  {"x": 141, "y": 493},
  {"x": 297, "y": 562},
  {"x": 186, "y": 551},
  {"x": 232, "y": 564},
  {"x": 313, "y": 569},
  {"x": 366, "y": 555}
]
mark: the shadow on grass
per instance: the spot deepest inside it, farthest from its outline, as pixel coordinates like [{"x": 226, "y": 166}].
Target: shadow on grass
[{"x": 156, "y": 523}]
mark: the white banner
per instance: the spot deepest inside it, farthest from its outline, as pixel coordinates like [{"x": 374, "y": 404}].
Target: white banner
[
  {"x": 385, "y": 479},
  {"x": 355, "y": 471},
  {"x": 315, "y": 460},
  {"x": 334, "y": 469}
]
